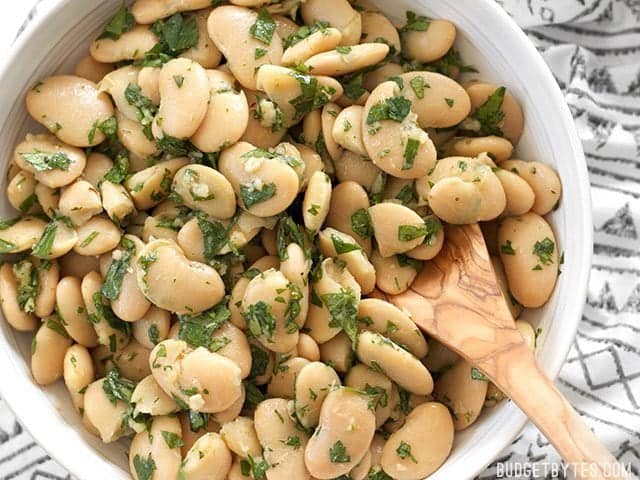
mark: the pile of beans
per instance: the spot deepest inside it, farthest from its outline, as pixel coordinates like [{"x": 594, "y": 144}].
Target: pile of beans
[{"x": 222, "y": 199}]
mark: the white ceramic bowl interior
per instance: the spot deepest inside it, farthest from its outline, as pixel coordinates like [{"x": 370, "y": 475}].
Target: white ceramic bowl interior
[{"x": 489, "y": 40}]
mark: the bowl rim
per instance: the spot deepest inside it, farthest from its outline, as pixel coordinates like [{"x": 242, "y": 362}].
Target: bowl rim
[{"x": 513, "y": 35}]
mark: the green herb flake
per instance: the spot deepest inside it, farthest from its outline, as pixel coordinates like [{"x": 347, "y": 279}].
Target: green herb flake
[
  {"x": 215, "y": 235},
  {"x": 338, "y": 453},
  {"x": 179, "y": 79},
  {"x": 507, "y": 248},
  {"x": 361, "y": 223},
  {"x": 314, "y": 209},
  {"x": 353, "y": 85},
  {"x": 293, "y": 441},
  {"x": 449, "y": 102},
  {"x": 260, "y": 319},
  {"x": 144, "y": 108},
  {"x": 404, "y": 452},
  {"x": 144, "y": 467},
  {"x": 418, "y": 84},
  {"x": 120, "y": 170},
  {"x": 27, "y": 276},
  {"x": 56, "y": 326},
  {"x": 394, "y": 108},
  {"x": 6, "y": 247},
  {"x": 410, "y": 152},
  {"x": 544, "y": 250},
  {"x": 343, "y": 308},
  {"x": 197, "y": 330},
  {"x": 490, "y": 113},
  {"x": 407, "y": 233},
  {"x": 416, "y": 23},
  {"x": 251, "y": 467},
  {"x": 264, "y": 27},
  {"x": 89, "y": 238},
  {"x": 478, "y": 375},
  {"x": 176, "y": 34},
  {"x": 197, "y": 421},
  {"x": 43, "y": 246},
  {"x": 117, "y": 388},
  {"x": 407, "y": 194},
  {"x": 120, "y": 23},
  {"x": 343, "y": 50},
  {"x": 343, "y": 247},
  {"x": 172, "y": 440},
  {"x": 259, "y": 53},
  {"x": 252, "y": 196},
  {"x": 117, "y": 269},
  {"x": 46, "y": 161},
  {"x": 303, "y": 32},
  {"x": 312, "y": 96}
]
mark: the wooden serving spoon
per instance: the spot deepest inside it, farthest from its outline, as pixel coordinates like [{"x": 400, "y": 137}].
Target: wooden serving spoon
[{"x": 456, "y": 299}]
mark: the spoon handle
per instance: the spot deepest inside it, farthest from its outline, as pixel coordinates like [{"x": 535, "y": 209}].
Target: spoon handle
[{"x": 521, "y": 379}]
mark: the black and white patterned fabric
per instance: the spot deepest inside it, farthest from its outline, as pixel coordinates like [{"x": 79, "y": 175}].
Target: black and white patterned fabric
[{"x": 593, "y": 49}]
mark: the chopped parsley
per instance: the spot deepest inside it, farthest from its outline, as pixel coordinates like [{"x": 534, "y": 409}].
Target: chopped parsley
[
  {"x": 215, "y": 236},
  {"x": 117, "y": 269},
  {"x": 418, "y": 84},
  {"x": 176, "y": 34},
  {"x": 544, "y": 250},
  {"x": 43, "y": 246},
  {"x": 109, "y": 127},
  {"x": 378, "y": 396},
  {"x": 264, "y": 27},
  {"x": 449, "y": 101},
  {"x": 407, "y": 233},
  {"x": 260, "y": 319},
  {"x": 89, "y": 238},
  {"x": 338, "y": 453},
  {"x": 197, "y": 421},
  {"x": 410, "y": 152},
  {"x": 433, "y": 227},
  {"x": 343, "y": 247},
  {"x": 46, "y": 161},
  {"x": 259, "y": 53},
  {"x": 27, "y": 276},
  {"x": 478, "y": 375},
  {"x": 257, "y": 469},
  {"x": 507, "y": 248},
  {"x": 179, "y": 79},
  {"x": 313, "y": 94},
  {"x": 120, "y": 23},
  {"x": 416, "y": 23},
  {"x": 394, "y": 108},
  {"x": 252, "y": 196},
  {"x": 120, "y": 170},
  {"x": 303, "y": 32},
  {"x": 343, "y": 50},
  {"x": 490, "y": 113},
  {"x": 144, "y": 467},
  {"x": 117, "y": 388},
  {"x": 353, "y": 85},
  {"x": 172, "y": 440},
  {"x": 314, "y": 209},
  {"x": 197, "y": 330},
  {"x": 404, "y": 452},
  {"x": 293, "y": 441},
  {"x": 144, "y": 107},
  {"x": 104, "y": 312},
  {"x": 260, "y": 361},
  {"x": 361, "y": 223},
  {"x": 407, "y": 194},
  {"x": 343, "y": 308}
]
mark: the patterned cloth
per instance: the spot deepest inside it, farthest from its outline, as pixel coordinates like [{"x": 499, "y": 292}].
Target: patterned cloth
[{"x": 593, "y": 49}]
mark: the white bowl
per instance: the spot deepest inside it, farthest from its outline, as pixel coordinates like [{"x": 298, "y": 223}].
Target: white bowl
[{"x": 493, "y": 43}]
